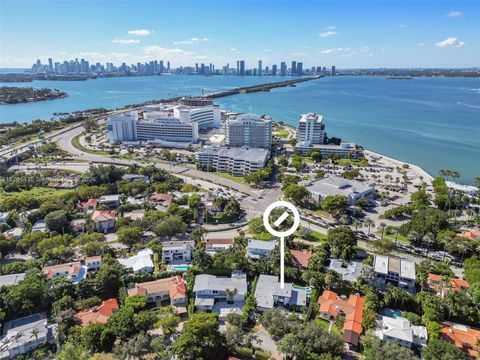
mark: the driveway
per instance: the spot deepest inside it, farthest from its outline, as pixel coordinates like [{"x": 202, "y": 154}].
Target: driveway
[{"x": 263, "y": 340}]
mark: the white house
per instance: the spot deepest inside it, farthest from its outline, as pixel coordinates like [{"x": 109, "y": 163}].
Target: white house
[
  {"x": 268, "y": 293},
  {"x": 213, "y": 246},
  {"x": 177, "y": 251},
  {"x": 15, "y": 233},
  {"x": 395, "y": 271},
  {"x": 401, "y": 332},
  {"x": 258, "y": 248},
  {"x": 220, "y": 294},
  {"x": 139, "y": 263},
  {"x": 111, "y": 201},
  {"x": 24, "y": 335}
]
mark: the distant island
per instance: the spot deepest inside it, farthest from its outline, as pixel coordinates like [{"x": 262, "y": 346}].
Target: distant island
[{"x": 16, "y": 95}]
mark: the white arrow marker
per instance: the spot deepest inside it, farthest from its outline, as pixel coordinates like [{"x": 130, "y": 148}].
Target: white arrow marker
[{"x": 281, "y": 219}]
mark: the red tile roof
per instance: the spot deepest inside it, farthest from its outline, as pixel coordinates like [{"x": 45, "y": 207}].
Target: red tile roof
[
  {"x": 98, "y": 314},
  {"x": 463, "y": 337},
  {"x": 472, "y": 234},
  {"x": 219, "y": 241},
  {"x": 71, "y": 268},
  {"x": 301, "y": 257},
  {"x": 163, "y": 198},
  {"x": 103, "y": 215},
  {"x": 352, "y": 309},
  {"x": 459, "y": 284}
]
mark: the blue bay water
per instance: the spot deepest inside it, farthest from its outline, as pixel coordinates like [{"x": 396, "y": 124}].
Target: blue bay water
[{"x": 431, "y": 122}]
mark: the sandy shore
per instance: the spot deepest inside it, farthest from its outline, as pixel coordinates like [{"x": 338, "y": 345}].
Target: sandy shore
[{"x": 388, "y": 161}]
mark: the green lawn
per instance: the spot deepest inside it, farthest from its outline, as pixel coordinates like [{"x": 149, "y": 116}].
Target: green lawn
[
  {"x": 76, "y": 144},
  {"x": 325, "y": 324},
  {"x": 281, "y": 133},
  {"x": 317, "y": 236},
  {"x": 237, "y": 179},
  {"x": 399, "y": 237},
  {"x": 351, "y": 162},
  {"x": 35, "y": 192}
]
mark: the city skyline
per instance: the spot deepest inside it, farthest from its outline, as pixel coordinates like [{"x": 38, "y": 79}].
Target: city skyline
[{"x": 349, "y": 35}]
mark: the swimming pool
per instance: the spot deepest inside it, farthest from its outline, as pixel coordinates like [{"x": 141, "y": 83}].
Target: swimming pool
[
  {"x": 392, "y": 313},
  {"x": 178, "y": 267},
  {"x": 25, "y": 320},
  {"x": 302, "y": 288}
]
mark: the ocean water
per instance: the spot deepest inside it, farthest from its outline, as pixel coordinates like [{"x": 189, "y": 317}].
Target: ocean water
[
  {"x": 431, "y": 122},
  {"x": 116, "y": 92}
]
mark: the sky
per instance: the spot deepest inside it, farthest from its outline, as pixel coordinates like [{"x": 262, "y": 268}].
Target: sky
[{"x": 348, "y": 34}]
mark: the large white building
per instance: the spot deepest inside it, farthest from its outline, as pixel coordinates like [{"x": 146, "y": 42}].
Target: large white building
[
  {"x": 163, "y": 123},
  {"x": 343, "y": 150},
  {"x": 395, "y": 271},
  {"x": 234, "y": 161},
  {"x": 400, "y": 331},
  {"x": 248, "y": 130},
  {"x": 311, "y": 128},
  {"x": 122, "y": 127},
  {"x": 336, "y": 185}
]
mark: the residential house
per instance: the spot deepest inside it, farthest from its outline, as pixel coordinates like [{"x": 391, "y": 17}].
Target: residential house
[
  {"x": 78, "y": 225},
  {"x": 39, "y": 226},
  {"x": 221, "y": 294},
  {"x": 111, "y": 201},
  {"x": 172, "y": 289},
  {"x": 103, "y": 220},
  {"x": 332, "y": 306},
  {"x": 24, "y": 335},
  {"x": 440, "y": 285},
  {"x": 258, "y": 248},
  {"x": 400, "y": 331},
  {"x": 135, "y": 177},
  {"x": 463, "y": 337},
  {"x": 15, "y": 233},
  {"x": 135, "y": 214},
  {"x": 269, "y": 293},
  {"x": 213, "y": 246},
  {"x": 471, "y": 234},
  {"x": 161, "y": 199},
  {"x": 12, "y": 279},
  {"x": 88, "y": 206},
  {"x": 301, "y": 257},
  {"x": 177, "y": 251},
  {"x": 139, "y": 263},
  {"x": 92, "y": 263},
  {"x": 350, "y": 271},
  {"x": 98, "y": 314},
  {"x": 74, "y": 271},
  {"x": 394, "y": 271}
]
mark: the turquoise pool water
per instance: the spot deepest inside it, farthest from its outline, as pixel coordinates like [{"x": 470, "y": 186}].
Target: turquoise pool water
[
  {"x": 392, "y": 313},
  {"x": 302, "y": 288},
  {"x": 181, "y": 267}
]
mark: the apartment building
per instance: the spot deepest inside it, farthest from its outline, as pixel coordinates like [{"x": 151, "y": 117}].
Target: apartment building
[
  {"x": 248, "y": 130},
  {"x": 234, "y": 161},
  {"x": 311, "y": 128}
]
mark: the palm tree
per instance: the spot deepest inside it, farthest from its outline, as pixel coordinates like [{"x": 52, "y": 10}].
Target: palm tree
[
  {"x": 26, "y": 226},
  {"x": 231, "y": 294},
  {"x": 370, "y": 224},
  {"x": 429, "y": 240},
  {"x": 382, "y": 227},
  {"x": 462, "y": 247},
  {"x": 35, "y": 333}
]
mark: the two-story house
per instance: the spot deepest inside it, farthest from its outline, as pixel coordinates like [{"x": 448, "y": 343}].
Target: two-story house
[
  {"x": 400, "y": 331},
  {"x": 269, "y": 293},
  {"x": 257, "y": 248},
  {"x": 111, "y": 201},
  {"x": 220, "y": 294},
  {"x": 395, "y": 271},
  {"x": 331, "y": 306},
  {"x": 75, "y": 271},
  {"x": 213, "y": 246},
  {"x": 177, "y": 251},
  {"x": 172, "y": 289},
  {"x": 104, "y": 220}
]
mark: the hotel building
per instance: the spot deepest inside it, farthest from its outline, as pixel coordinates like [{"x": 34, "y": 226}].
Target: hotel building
[{"x": 311, "y": 128}]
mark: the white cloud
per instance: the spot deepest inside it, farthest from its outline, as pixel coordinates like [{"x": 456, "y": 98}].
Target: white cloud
[
  {"x": 421, "y": 44},
  {"x": 298, "y": 54},
  {"x": 454, "y": 14},
  {"x": 326, "y": 34},
  {"x": 402, "y": 26},
  {"x": 233, "y": 50},
  {"x": 193, "y": 40},
  {"x": 140, "y": 32},
  {"x": 330, "y": 28},
  {"x": 125, "y": 41},
  {"x": 159, "y": 51},
  {"x": 336, "y": 50},
  {"x": 450, "y": 42}
]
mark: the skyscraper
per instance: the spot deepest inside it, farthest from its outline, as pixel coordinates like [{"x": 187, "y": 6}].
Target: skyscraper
[
  {"x": 50, "y": 64},
  {"x": 242, "y": 67},
  {"x": 334, "y": 70},
  {"x": 283, "y": 68},
  {"x": 299, "y": 70},
  {"x": 274, "y": 70},
  {"x": 162, "y": 69},
  {"x": 259, "y": 67},
  {"x": 238, "y": 67},
  {"x": 294, "y": 68}
]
